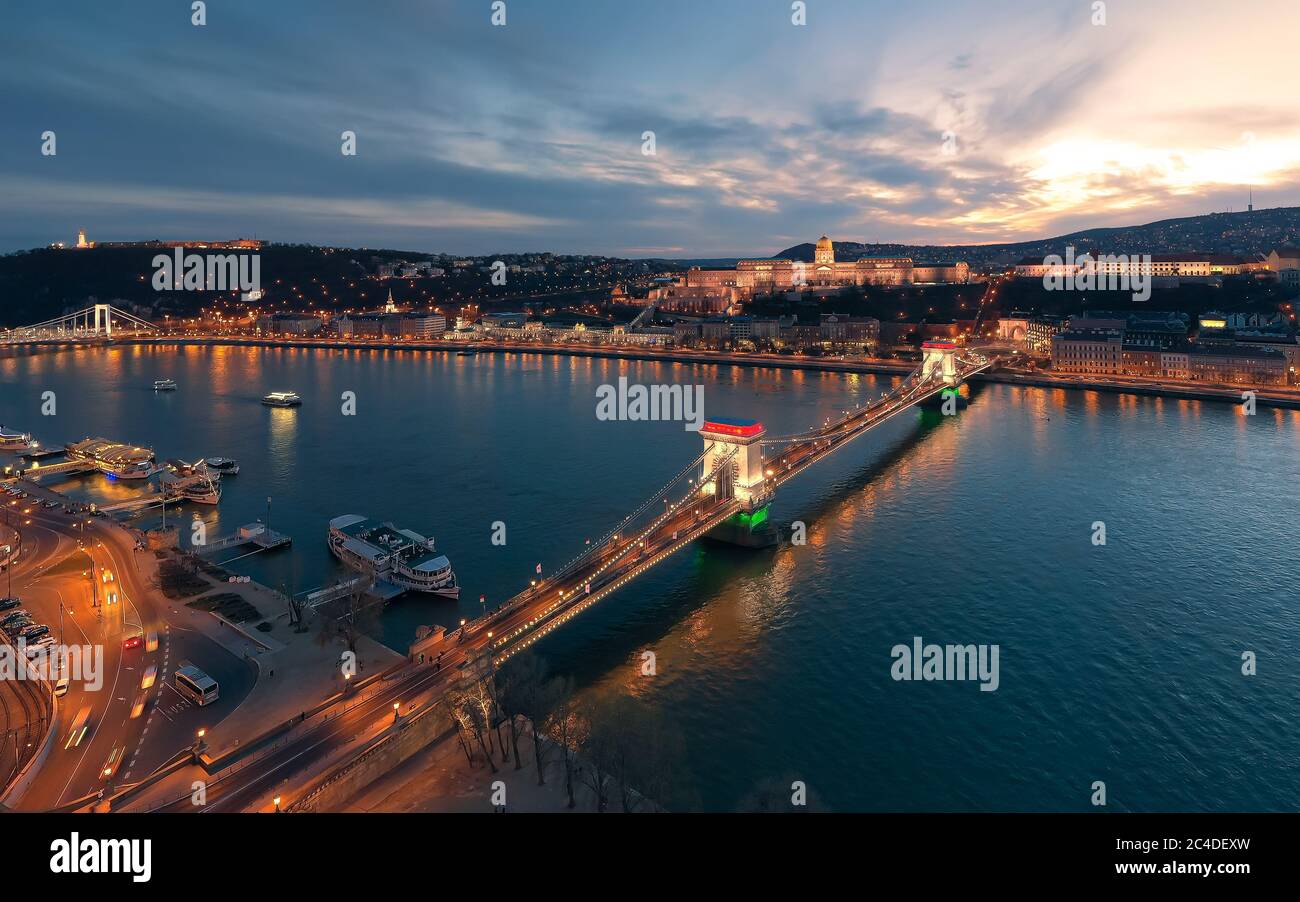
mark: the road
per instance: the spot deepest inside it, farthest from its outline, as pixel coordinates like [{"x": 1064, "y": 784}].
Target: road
[{"x": 78, "y": 575}]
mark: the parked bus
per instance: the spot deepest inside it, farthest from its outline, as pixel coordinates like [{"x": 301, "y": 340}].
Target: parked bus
[{"x": 196, "y": 685}]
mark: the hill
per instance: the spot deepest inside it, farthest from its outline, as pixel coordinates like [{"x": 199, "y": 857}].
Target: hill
[{"x": 1241, "y": 234}]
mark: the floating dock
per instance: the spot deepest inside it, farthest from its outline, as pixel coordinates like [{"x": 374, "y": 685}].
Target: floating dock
[
  {"x": 381, "y": 591},
  {"x": 254, "y": 534}
]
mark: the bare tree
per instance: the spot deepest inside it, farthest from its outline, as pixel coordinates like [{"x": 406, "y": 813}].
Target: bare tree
[
  {"x": 597, "y": 744},
  {"x": 466, "y": 705},
  {"x": 631, "y": 749},
  {"x": 517, "y": 682},
  {"x": 533, "y": 695},
  {"x": 564, "y": 726}
]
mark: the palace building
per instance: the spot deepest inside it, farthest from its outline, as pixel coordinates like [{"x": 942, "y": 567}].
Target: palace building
[{"x": 760, "y": 276}]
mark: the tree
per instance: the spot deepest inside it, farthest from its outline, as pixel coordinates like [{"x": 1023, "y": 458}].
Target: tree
[
  {"x": 358, "y": 615},
  {"x": 518, "y": 683},
  {"x": 632, "y": 749},
  {"x": 564, "y": 726},
  {"x": 535, "y": 696}
]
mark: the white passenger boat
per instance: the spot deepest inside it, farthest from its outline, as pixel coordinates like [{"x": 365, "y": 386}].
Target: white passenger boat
[
  {"x": 399, "y": 556},
  {"x": 282, "y": 399},
  {"x": 15, "y": 441}
]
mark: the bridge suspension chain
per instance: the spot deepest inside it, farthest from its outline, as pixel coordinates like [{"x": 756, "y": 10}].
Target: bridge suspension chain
[
  {"x": 718, "y": 466},
  {"x": 601, "y": 542}
]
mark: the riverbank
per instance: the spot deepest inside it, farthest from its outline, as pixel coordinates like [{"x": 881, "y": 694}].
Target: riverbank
[
  {"x": 442, "y": 780},
  {"x": 1282, "y": 398}
]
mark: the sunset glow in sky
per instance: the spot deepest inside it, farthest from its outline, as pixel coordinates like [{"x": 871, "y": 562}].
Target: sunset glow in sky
[{"x": 477, "y": 139}]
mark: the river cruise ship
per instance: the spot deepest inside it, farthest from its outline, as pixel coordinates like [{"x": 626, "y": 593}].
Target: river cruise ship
[{"x": 398, "y": 556}]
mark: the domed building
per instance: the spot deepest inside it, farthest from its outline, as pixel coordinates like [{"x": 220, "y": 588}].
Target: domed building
[{"x": 825, "y": 252}]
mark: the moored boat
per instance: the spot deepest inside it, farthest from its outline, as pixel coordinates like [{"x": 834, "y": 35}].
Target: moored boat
[{"x": 399, "y": 556}]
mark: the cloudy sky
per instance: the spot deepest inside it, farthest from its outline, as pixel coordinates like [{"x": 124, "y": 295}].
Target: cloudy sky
[{"x": 477, "y": 139}]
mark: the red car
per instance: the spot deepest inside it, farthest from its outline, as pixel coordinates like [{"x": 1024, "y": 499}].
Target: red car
[{"x": 132, "y": 642}]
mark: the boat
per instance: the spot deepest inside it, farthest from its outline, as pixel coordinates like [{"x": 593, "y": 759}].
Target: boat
[
  {"x": 225, "y": 466},
  {"x": 114, "y": 459},
  {"x": 164, "y": 385},
  {"x": 467, "y": 352},
  {"x": 282, "y": 399},
  {"x": 402, "y": 557},
  {"x": 201, "y": 488},
  {"x": 15, "y": 441}
]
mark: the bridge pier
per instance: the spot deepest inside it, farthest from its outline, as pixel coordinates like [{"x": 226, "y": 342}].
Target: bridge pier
[
  {"x": 746, "y": 529},
  {"x": 741, "y": 478}
]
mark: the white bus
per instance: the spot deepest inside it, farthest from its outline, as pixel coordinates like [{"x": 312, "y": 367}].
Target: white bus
[{"x": 196, "y": 685}]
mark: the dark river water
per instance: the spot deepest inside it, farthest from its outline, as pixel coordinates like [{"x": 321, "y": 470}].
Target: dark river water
[{"x": 1119, "y": 663}]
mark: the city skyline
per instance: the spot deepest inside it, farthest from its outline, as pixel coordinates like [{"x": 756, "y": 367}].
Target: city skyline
[{"x": 475, "y": 139}]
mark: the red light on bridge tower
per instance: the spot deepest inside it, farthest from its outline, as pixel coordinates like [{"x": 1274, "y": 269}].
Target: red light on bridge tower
[{"x": 724, "y": 426}]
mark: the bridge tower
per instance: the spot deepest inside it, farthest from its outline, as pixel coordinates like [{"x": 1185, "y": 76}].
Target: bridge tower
[
  {"x": 107, "y": 320},
  {"x": 940, "y": 357},
  {"x": 742, "y": 478}
]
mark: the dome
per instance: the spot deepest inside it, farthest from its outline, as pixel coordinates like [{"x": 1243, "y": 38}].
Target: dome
[{"x": 825, "y": 253}]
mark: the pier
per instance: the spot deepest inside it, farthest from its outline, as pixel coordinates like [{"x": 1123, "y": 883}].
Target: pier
[
  {"x": 258, "y": 535},
  {"x": 142, "y": 503},
  {"x": 65, "y": 470}
]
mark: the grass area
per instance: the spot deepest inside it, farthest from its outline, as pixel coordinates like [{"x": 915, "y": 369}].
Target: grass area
[
  {"x": 75, "y": 564},
  {"x": 176, "y": 581},
  {"x": 229, "y": 605}
]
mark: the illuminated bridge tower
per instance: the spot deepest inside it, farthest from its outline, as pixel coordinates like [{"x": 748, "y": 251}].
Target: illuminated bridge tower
[
  {"x": 742, "y": 478},
  {"x": 939, "y": 360},
  {"x": 940, "y": 357}
]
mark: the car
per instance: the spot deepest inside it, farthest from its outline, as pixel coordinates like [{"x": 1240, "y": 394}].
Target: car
[
  {"x": 113, "y": 763},
  {"x": 35, "y": 631},
  {"x": 80, "y": 724},
  {"x": 111, "y": 597},
  {"x": 50, "y": 504},
  {"x": 150, "y": 674},
  {"x": 61, "y": 687},
  {"x": 151, "y": 640},
  {"x": 108, "y": 576},
  {"x": 41, "y": 646},
  {"x": 132, "y": 642},
  {"x": 18, "y": 620},
  {"x": 9, "y": 603},
  {"x": 138, "y": 707}
]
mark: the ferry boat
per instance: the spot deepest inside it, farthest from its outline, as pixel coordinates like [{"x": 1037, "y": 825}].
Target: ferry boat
[
  {"x": 282, "y": 399},
  {"x": 114, "y": 459},
  {"x": 164, "y": 385},
  {"x": 224, "y": 466},
  {"x": 399, "y": 556},
  {"x": 201, "y": 488},
  {"x": 15, "y": 441}
]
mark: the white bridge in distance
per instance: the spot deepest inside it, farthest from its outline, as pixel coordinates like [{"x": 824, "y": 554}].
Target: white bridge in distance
[{"x": 100, "y": 321}]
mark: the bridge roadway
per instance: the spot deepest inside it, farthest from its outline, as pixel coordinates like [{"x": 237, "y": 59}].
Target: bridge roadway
[{"x": 529, "y": 616}]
